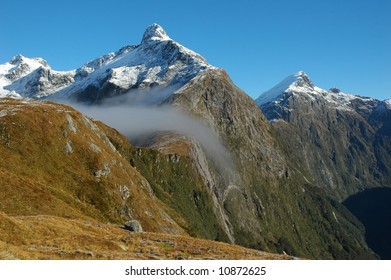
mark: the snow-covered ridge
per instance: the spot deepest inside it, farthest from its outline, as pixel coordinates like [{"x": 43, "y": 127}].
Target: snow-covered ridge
[
  {"x": 156, "y": 61},
  {"x": 20, "y": 65},
  {"x": 300, "y": 84},
  {"x": 95, "y": 64},
  {"x": 17, "y": 67},
  {"x": 31, "y": 77}
]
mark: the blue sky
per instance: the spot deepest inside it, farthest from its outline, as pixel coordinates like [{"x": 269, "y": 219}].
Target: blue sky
[{"x": 339, "y": 43}]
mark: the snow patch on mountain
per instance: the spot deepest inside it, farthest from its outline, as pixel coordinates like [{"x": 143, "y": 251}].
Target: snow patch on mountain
[
  {"x": 126, "y": 77},
  {"x": 9, "y": 94},
  {"x": 95, "y": 64}
]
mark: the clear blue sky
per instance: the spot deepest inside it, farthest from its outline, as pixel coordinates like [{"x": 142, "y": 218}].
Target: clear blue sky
[{"x": 339, "y": 43}]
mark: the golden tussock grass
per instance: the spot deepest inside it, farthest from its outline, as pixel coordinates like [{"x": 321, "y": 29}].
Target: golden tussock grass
[{"x": 49, "y": 237}]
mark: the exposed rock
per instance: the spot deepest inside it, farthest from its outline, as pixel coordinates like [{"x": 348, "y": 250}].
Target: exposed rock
[
  {"x": 68, "y": 148},
  {"x": 108, "y": 143},
  {"x": 71, "y": 123},
  {"x": 95, "y": 148},
  {"x": 335, "y": 90},
  {"x": 133, "y": 225},
  {"x": 104, "y": 172},
  {"x": 91, "y": 125},
  {"x": 124, "y": 190}
]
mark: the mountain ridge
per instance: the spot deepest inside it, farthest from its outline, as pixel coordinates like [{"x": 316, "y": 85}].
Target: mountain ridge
[{"x": 300, "y": 83}]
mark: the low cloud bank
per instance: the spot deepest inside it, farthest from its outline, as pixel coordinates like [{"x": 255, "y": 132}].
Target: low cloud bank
[{"x": 134, "y": 121}]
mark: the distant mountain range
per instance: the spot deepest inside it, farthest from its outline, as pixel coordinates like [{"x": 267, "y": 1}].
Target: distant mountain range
[{"x": 215, "y": 166}]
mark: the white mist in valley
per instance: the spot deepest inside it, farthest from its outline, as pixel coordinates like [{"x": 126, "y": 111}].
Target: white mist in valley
[{"x": 135, "y": 121}]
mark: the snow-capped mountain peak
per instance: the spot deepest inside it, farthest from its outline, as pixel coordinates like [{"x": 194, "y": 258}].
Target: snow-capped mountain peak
[
  {"x": 301, "y": 85},
  {"x": 20, "y": 66},
  {"x": 155, "y": 32},
  {"x": 157, "y": 62},
  {"x": 33, "y": 62},
  {"x": 31, "y": 77},
  {"x": 302, "y": 79},
  {"x": 15, "y": 70},
  {"x": 298, "y": 88},
  {"x": 298, "y": 81}
]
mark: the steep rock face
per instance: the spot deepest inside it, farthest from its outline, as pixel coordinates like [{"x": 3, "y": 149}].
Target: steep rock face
[{"x": 343, "y": 140}]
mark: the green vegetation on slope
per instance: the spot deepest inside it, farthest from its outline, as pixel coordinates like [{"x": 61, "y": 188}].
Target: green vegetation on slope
[
  {"x": 272, "y": 206},
  {"x": 176, "y": 182}
]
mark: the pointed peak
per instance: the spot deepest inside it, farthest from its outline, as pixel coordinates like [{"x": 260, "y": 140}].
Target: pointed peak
[
  {"x": 155, "y": 32},
  {"x": 301, "y": 74},
  {"x": 300, "y": 79},
  {"x": 17, "y": 59},
  {"x": 292, "y": 82}
]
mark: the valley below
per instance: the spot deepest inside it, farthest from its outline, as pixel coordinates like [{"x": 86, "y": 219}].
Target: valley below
[{"x": 372, "y": 208}]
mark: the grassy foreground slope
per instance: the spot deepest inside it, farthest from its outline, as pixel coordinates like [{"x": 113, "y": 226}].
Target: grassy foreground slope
[
  {"x": 50, "y": 237},
  {"x": 55, "y": 161}
]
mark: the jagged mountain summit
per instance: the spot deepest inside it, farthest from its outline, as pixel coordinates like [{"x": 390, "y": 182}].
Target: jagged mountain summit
[
  {"x": 158, "y": 62},
  {"x": 343, "y": 139},
  {"x": 31, "y": 77},
  {"x": 299, "y": 84}
]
